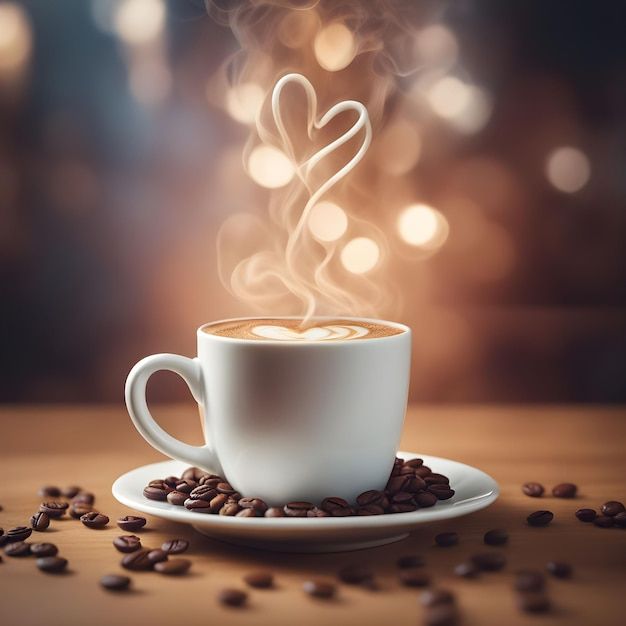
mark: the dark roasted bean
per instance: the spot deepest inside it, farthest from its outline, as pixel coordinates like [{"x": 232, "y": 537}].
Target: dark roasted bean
[
  {"x": 171, "y": 481},
  {"x": 315, "y": 512},
  {"x": 620, "y": 520},
  {"x": 173, "y": 567},
  {"x": 137, "y": 560},
  {"x": 225, "y": 488},
  {"x": 466, "y": 569},
  {"x": 398, "y": 483},
  {"x": 114, "y": 582},
  {"x": 564, "y": 490},
  {"x": 410, "y": 560},
  {"x": 51, "y": 564},
  {"x": 70, "y": 492},
  {"x": 19, "y": 533},
  {"x": 612, "y": 508},
  {"x": 604, "y": 521},
  {"x": 534, "y": 490},
  {"x": 489, "y": 561},
  {"x": 218, "y": 502},
  {"x": 248, "y": 513},
  {"x": 232, "y": 597},
  {"x": 259, "y": 580},
  {"x": 17, "y": 548},
  {"x": 127, "y": 543},
  {"x": 540, "y": 518},
  {"x": 402, "y": 497},
  {"x": 53, "y": 509},
  {"x": 406, "y": 507},
  {"x": 94, "y": 520},
  {"x": 443, "y": 492},
  {"x": 176, "y": 498},
  {"x": 370, "y": 509},
  {"x": 437, "y": 479},
  {"x": 414, "y": 578},
  {"x": 155, "y": 493},
  {"x": 416, "y": 484},
  {"x": 536, "y": 602},
  {"x": 253, "y": 503},
  {"x": 157, "y": 556},
  {"x": 194, "y": 473},
  {"x": 84, "y": 497},
  {"x": 48, "y": 491},
  {"x": 175, "y": 546},
  {"x": 212, "y": 480},
  {"x": 436, "y": 597},
  {"x": 425, "y": 499},
  {"x": 529, "y": 580},
  {"x": 185, "y": 486},
  {"x": 423, "y": 471},
  {"x": 319, "y": 588},
  {"x": 445, "y": 540},
  {"x": 3, "y": 540},
  {"x": 198, "y": 506},
  {"x": 43, "y": 549},
  {"x": 496, "y": 537},
  {"x": 414, "y": 462},
  {"x": 372, "y": 497},
  {"x": 131, "y": 523},
  {"x": 79, "y": 509},
  {"x": 275, "y": 511},
  {"x": 203, "y": 492},
  {"x": 354, "y": 574},
  {"x": 559, "y": 569},
  {"x": 40, "y": 521},
  {"x": 336, "y": 507},
  {"x": 231, "y": 509},
  {"x": 160, "y": 484},
  {"x": 297, "y": 509},
  {"x": 586, "y": 515}
]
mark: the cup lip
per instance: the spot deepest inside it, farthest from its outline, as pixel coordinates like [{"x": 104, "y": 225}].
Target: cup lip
[{"x": 290, "y": 344}]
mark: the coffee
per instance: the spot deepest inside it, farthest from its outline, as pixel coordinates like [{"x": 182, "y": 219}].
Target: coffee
[{"x": 294, "y": 330}]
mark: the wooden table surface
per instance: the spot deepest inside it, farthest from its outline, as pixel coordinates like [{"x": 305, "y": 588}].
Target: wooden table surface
[{"x": 91, "y": 446}]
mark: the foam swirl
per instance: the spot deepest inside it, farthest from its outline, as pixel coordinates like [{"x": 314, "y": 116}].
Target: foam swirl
[{"x": 333, "y": 332}]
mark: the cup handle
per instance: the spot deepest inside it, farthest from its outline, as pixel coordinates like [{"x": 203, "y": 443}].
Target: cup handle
[{"x": 189, "y": 370}]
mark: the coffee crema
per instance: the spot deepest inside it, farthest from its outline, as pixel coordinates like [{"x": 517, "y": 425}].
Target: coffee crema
[{"x": 294, "y": 330}]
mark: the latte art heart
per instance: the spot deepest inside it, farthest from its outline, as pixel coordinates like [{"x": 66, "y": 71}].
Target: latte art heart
[{"x": 316, "y": 333}]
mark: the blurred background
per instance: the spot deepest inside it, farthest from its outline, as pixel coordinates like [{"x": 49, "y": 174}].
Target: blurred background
[{"x": 494, "y": 191}]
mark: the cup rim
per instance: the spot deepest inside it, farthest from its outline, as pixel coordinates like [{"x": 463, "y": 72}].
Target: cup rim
[{"x": 403, "y": 327}]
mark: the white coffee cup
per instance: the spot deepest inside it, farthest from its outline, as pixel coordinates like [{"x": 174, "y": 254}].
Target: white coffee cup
[{"x": 284, "y": 420}]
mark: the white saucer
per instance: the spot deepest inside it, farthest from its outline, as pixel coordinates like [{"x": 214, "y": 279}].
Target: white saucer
[{"x": 474, "y": 491}]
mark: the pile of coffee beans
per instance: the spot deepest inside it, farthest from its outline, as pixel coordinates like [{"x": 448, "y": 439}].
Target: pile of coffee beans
[
  {"x": 612, "y": 515},
  {"x": 411, "y": 486}
]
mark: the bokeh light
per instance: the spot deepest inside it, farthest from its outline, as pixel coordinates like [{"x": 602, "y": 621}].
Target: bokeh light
[
  {"x": 422, "y": 226},
  {"x": 399, "y": 147},
  {"x": 437, "y": 46},
  {"x": 327, "y": 221},
  {"x": 334, "y": 47},
  {"x": 139, "y": 22},
  {"x": 270, "y": 167},
  {"x": 360, "y": 255},
  {"x": 15, "y": 37},
  {"x": 568, "y": 169},
  {"x": 244, "y": 101}
]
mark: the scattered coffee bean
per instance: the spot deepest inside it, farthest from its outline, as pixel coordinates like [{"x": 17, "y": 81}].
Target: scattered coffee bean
[
  {"x": 177, "y": 498},
  {"x": 612, "y": 508},
  {"x": 496, "y": 537},
  {"x": 534, "y": 490},
  {"x": 3, "y": 540},
  {"x": 436, "y": 597},
  {"x": 297, "y": 509},
  {"x": 131, "y": 523},
  {"x": 559, "y": 569},
  {"x": 199, "y": 506},
  {"x": 173, "y": 567},
  {"x": 275, "y": 511},
  {"x": 410, "y": 560},
  {"x": 175, "y": 546},
  {"x": 425, "y": 499},
  {"x": 155, "y": 493},
  {"x": 586, "y": 515},
  {"x": 466, "y": 570},
  {"x": 53, "y": 509},
  {"x": 114, "y": 582},
  {"x": 48, "y": 491},
  {"x": 444, "y": 615},
  {"x": 19, "y": 533},
  {"x": 94, "y": 520},
  {"x": 489, "y": 561},
  {"x": 40, "y": 521},
  {"x": 354, "y": 574},
  {"x": 17, "y": 548},
  {"x": 529, "y": 580},
  {"x": 70, "y": 492},
  {"x": 319, "y": 588},
  {"x": 43, "y": 549},
  {"x": 51, "y": 564},
  {"x": 127, "y": 543},
  {"x": 533, "y": 602},
  {"x": 137, "y": 561},
  {"x": 84, "y": 497},
  {"x": 540, "y": 518},
  {"x": 77, "y": 510},
  {"x": 620, "y": 520},
  {"x": 565, "y": 490},
  {"x": 604, "y": 521},
  {"x": 445, "y": 540},
  {"x": 157, "y": 556},
  {"x": 414, "y": 578},
  {"x": 260, "y": 579},
  {"x": 232, "y": 597}
]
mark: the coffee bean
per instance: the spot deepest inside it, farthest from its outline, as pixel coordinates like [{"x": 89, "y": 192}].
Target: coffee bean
[
  {"x": 3, "y": 540},
  {"x": 612, "y": 508},
  {"x": 198, "y": 506},
  {"x": 414, "y": 578},
  {"x": 94, "y": 520},
  {"x": 171, "y": 481},
  {"x": 540, "y": 518},
  {"x": 17, "y": 548},
  {"x": 231, "y": 509},
  {"x": 131, "y": 523},
  {"x": 489, "y": 561},
  {"x": 253, "y": 503},
  {"x": 413, "y": 462},
  {"x": 370, "y": 509},
  {"x": 48, "y": 491},
  {"x": 533, "y": 602},
  {"x": 445, "y": 540},
  {"x": 53, "y": 509},
  {"x": 559, "y": 569},
  {"x": 315, "y": 512},
  {"x": 203, "y": 492},
  {"x": 43, "y": 549},
  {"x": 70, "y": 492},
  {"x": 175, "y": 546},
  {"x": 402, "y": 497},
  {"x": 40, "y": 521},
  {"x": 225, "y": 488},
  {"x": 127, "y": 543},
  {"x": 586, "y": 515},
  {"x": 534, "y": 490},
  {"x": 173, "y": 567},
  {"x": 176, "y": 497},
  {"x": 193, "y": 473},
  {"x": 373, "y": 497},
  {"x": 444, "y": 615},
  {"x": 620, "y": 520},
  {"x": 185, "y": 486},
  {"x": 354, "y": 574},
  {"x": 275, "y": 511},
  {"x": 260, "y": 579},
  {"x": 398, "y": 483},
  {"x": 437, "y": 479},
  {"x": 565, "y": 490},
  {"x": 84, "y": 497},
  {"x": 51, "y": 564},
  {"x": 319, "y": 588},
  {"x": 232, "y": 597},
  {"x": 336, "y": 507},
  {"x": 604, "y": 521},
  {"x": 114, "y": 582},
  {"x": 425, "y": 499},
  {"x": 157, "y": 556},
  {"x": 212, "y": 480},
  {"x": 416, "y": 484},
  {"x": 19, "y": 533},
  {"x": 79, "y": 509},
  {"x": 436, "y": 597},
  {"x": 297, "y": 509},
  {"x": 155, "y": 493},
  {"x": 423, "y": 471},
  {"x": 137, "y": 561},
  {"x": 443, "y": 492},
  {"x": 247, "y": 513},
  {"x": 410, "y": 560},
  {"x": 496, "y": 537},
  {"x": 529, "y": 580},
  {"x": 466, "y": 570},
  {"x": 408, "y": 507}
]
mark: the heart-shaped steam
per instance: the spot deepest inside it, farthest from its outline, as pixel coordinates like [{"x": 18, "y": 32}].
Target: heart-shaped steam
[{"x": 332, "y": 332}]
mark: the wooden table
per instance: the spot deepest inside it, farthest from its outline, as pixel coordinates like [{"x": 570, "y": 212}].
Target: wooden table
[{"x": 91, "y": 446}]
